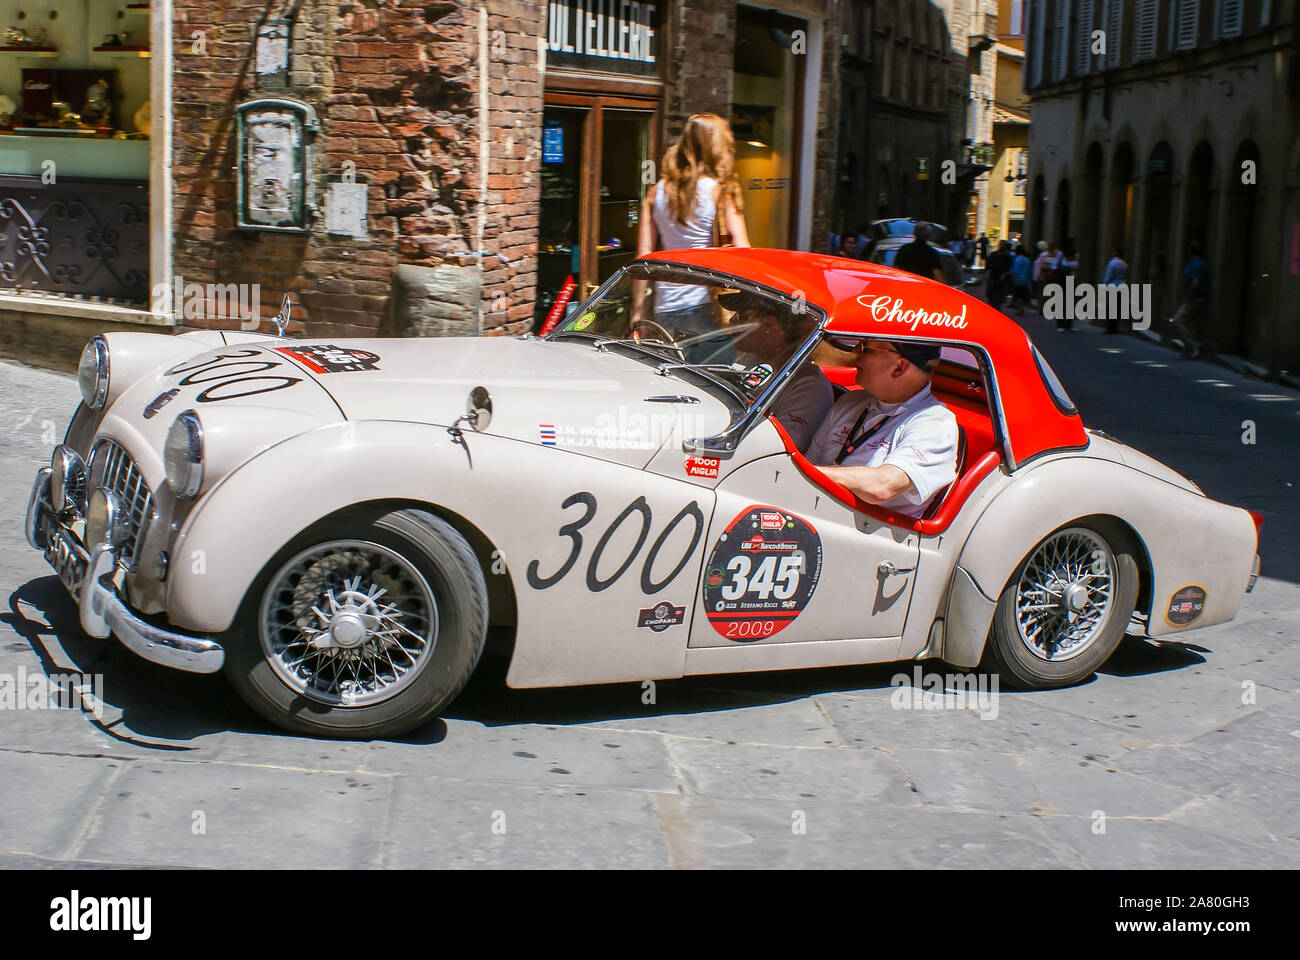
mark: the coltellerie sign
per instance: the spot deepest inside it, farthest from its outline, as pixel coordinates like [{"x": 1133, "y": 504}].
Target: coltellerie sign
[{"x": 617, "y": 35}]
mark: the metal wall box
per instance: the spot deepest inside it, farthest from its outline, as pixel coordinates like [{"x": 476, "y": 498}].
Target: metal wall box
[{"x": 273, "y": 169}]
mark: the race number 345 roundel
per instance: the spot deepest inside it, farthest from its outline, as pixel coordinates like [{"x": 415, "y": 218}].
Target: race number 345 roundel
[{"x": 761, "y": 574}]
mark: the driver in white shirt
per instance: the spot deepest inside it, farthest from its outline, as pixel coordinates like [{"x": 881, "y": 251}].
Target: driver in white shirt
[
  {"x": 891, "y": 443},
  {"x": 777, "y": 332}
]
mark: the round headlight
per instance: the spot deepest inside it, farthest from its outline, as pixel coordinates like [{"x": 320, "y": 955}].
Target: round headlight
[
  {"x": 92, "y": 373},
  {"x": 183, "y": 455},
  {"x": 67, "y": 479},
  {"x": 107, "y": 519}
]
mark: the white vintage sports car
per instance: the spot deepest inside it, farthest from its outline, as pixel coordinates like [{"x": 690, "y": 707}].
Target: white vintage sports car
[{"x": 337, "y": 522}]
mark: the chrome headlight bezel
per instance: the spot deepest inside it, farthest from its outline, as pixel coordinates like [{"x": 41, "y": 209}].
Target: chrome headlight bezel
[
  {"x": 68, "y": 480},
  {"x": 183, "y": 455},
  {"x": 93, "y": 372}
]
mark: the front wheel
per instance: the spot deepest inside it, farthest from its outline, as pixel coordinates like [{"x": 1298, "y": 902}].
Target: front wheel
[
  {"x": 361, "y": 627},
  {"x": 1065, "y": 609}
]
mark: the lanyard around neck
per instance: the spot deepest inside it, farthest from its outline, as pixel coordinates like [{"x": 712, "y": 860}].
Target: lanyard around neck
[{"x": 852, "y": 444}]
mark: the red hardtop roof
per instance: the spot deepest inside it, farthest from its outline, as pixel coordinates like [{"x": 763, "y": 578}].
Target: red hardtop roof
[{"x": 874, "y": 300}]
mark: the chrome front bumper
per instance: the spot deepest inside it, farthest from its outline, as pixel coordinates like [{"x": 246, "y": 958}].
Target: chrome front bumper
[{"x": 88, "y": 577}]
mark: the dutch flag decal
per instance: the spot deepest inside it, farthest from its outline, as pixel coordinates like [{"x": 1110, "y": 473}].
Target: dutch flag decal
[{"x": 547, "y": 432}]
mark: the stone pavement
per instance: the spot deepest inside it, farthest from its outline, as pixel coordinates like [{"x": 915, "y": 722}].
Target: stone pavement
[{"x": 1172, "y": 756}]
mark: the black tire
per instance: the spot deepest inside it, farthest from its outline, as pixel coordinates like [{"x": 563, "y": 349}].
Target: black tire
[
  {"x": 1008, "y": 651},
  {"x": 428, "y": 546}
]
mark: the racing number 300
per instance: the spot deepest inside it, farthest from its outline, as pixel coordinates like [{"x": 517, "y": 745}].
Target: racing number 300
[{"x": 638, "y": 506}]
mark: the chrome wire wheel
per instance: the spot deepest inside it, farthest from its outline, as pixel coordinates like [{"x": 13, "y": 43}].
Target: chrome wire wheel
[
  {"x": 1065, "y": 594},
  {"x": 348, "y": 623}
]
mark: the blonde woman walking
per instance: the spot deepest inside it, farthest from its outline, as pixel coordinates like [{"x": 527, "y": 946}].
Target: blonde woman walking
[{"x": 696, "y": 203}]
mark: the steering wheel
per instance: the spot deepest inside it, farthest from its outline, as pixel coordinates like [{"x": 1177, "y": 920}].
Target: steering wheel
[{"x": 661, "y": 336}]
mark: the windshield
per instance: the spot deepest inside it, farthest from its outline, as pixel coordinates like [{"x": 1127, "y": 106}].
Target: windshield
[{"x": 698, "y": 324}]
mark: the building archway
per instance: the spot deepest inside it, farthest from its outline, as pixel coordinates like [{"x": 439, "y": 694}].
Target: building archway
[
  {"x": 1158, "y": 205},
  {"x": 1240, "y": 328},
  {"x": 1198, "y": 199},
  {"x": 1061, "y": 220},
  {"x": 1120, "y": 189},
  {"x": 1090, "y": 258},
  {"x": 1038, "y": 209}
]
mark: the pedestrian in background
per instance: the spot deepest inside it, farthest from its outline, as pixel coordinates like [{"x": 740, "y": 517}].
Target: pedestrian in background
[
  {"x": 865, "y": 243},
  {"x": 1064, "y": 264},
  {"x": 968, "y": 251},
  {"x": 1020, "y": 272},
  {"x": 919, "y": 257},
  {"x": 696, "y": 203},
  {"x": 984, "y": 250},
  {"x": 1042, "y": 266},
  {"x": 1115, "y": 275},
  {"x": 996, "y": 274},
  {"x": 1189, "y": 321}
]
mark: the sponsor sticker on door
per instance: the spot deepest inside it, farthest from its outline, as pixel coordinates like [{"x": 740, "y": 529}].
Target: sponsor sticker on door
[
  {"x": 761, "y": 574},
  {"x": 701, "y": 467}
]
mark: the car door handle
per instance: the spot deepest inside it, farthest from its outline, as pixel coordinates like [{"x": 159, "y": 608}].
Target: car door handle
[{"x": 886, "y": 568}]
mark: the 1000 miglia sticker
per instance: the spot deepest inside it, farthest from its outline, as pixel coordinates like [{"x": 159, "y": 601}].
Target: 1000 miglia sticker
[{"x": 761, "y": 574}]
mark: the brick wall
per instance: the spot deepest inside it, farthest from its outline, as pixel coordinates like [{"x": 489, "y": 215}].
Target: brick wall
[
  {"x": 396, "y": 91},
  {"x": 701, "y": 42}
]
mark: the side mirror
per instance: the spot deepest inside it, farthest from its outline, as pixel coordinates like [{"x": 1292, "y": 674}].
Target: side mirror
[{"x": 478, "y": 408}]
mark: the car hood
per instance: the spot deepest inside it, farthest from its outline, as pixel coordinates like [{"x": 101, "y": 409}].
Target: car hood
[{"x": 566, "y": 395}]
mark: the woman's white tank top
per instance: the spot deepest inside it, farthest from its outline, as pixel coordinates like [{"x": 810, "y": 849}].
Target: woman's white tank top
[{"x": 696, "y": 232}]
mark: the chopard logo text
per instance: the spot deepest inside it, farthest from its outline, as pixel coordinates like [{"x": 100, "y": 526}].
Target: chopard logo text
[{"x": 890, "y": 309}]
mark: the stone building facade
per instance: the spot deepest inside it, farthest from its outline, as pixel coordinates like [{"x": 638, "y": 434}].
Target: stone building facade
[
  {"x": 918, "y": 80},
  {"x": 459, "y": 162},
  {"x": 1184, "y": 126}
]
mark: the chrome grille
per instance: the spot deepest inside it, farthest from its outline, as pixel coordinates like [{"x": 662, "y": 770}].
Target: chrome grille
[{"x": 112, "y": 467}]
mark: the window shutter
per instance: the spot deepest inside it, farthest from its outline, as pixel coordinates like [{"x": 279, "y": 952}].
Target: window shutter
[
  {"x": 1083, "y": 38},
  {"x": 1113, "y": 24},
  {"x": 1185, "y": 27},
  {"x": 1227, "y": 16},
  {"x": 1144, "y": 38},
  {"x": 1061, "y": 41},
  {"x": 1038, "y": 23}
]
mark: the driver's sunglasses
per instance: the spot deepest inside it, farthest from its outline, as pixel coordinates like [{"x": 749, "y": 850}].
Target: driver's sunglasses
[{"x": 859, "y": 347}]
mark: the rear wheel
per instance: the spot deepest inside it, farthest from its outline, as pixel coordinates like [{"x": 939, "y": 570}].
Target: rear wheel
[
  {"x": 1065, "y": 609},
  {"x": 361, "y": 627}
]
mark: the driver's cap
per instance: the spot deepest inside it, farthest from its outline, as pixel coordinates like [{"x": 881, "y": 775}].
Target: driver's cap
[{"x": 744, "y": 300}]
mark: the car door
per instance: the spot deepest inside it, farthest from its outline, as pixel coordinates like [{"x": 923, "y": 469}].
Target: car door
[{"x": 784, "y": 561}]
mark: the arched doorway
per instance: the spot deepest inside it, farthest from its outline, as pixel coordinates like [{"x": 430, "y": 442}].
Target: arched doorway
[
  {"x": 1038, "y": 210},
  {"x": 1157, "y": 202},
  {"x": 1062, "y": 212},
  {"x": 1119, "y": 218},
  {"x": 1199, "y": 195},
  {"x": 1198, "y": 228},
  {"x": 1240, "y": 328},
  {"x": 1090, "y": 258}
]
